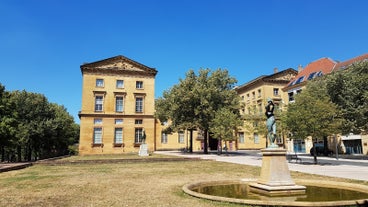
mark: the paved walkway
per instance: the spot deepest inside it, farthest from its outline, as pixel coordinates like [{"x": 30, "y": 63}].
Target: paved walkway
[{"x": 327, "y": 166}]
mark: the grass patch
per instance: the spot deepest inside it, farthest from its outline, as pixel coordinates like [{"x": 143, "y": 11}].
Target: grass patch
[{"x": 120, "y": 184}]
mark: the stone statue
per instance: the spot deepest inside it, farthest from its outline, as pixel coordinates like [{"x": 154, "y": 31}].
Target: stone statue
[
  {"x": 271, "y": 124},
  {"x": 143, "y": 136}
]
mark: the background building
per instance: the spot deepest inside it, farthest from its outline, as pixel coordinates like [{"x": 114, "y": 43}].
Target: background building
[
  {"x": 356, "y": 144},
  {"x": 254, "y": 96},
  {"x": 117, "y": 106}
]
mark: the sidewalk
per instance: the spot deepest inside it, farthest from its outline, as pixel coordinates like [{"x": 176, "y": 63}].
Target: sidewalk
[{"x": 327, "y": 166}]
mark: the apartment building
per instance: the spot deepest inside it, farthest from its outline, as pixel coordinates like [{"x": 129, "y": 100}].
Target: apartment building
[
  {"x": 349, "y": 143},
  {"x": 117, "y": 112},
  {"x": 254, "y": 95}
]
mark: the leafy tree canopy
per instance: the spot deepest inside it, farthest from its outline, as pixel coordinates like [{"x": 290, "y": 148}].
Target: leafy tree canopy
[
  {"x": 193, "y": 102},
  {"x": 349, "y": 90}
]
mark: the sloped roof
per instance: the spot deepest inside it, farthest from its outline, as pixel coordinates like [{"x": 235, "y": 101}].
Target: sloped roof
[
  {"x": 316, "y": 68},
  {"x": 118, "y": 64},
  {"x": 278, "y": 77},
  {"x": 347, "y": 63}
]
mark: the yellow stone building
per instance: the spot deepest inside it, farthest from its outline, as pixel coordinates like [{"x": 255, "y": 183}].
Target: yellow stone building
[
  {"x": 117, "y": 110},
  {"x": 117, "y": 106},
  {"x": 254, "y": 96}
]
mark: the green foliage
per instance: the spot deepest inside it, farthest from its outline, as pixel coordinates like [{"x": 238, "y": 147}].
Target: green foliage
[
  {"x": 32, "y": 128},
  {"x": 193, "y": 102},
  {"x": 313, "y": 113},
  {"x": 224, "y": 124},
  {"x": 349, "y": 90}
]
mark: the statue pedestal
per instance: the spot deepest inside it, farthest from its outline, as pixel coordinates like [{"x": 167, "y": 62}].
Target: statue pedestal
[
  {"x": 143, "y": 150},
  {"x": 275, "y": 179}
]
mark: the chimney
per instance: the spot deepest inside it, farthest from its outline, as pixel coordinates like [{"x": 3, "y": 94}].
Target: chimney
[
  {"x": 275, "y": 70},
  {"x": 300, "y": 68}
]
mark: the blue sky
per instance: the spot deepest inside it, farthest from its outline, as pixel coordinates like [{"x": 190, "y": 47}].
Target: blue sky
[{"x": 44, "y": 42}]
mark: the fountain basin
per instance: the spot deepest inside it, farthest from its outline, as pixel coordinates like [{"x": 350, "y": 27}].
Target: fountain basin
[{"x": 318, "y": 193}]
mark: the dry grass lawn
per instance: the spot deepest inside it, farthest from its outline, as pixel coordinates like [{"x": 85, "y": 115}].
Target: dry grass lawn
[{"x": 119, "y": 184}]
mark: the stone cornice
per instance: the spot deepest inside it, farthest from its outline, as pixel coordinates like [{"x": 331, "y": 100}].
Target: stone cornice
[{"x": 105, "y": 115}]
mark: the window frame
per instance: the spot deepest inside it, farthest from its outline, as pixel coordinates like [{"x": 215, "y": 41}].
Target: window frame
[
  {"x": 99, "y": 107},
  {"x": 116, "y": 138},
  {"x": 100, "y": 83},
  {"x": 138, "y": 135},
  {"x": 120, "y": 104},
  {"x": 164, "y": 138},
  {"x": 117, "y": 84},
  {"x": 139, "y": 105},
  {"x": 95, "y": 139},
  {"x": 181, "y": 137},
  {"x": 139, "y": 85},
  {"x": 241, "y": 137}
]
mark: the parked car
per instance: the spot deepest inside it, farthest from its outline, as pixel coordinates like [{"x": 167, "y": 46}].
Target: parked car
[{"x": 320, "y": 150}]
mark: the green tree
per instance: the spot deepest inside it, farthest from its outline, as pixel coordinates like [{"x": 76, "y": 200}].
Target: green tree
[
  {"x": 32, "y": 128},
  {"x": 313, "y": 114},
  {"x": 194, "y": 101},
  {"x": 225, "y": 124},
  {"x": 349, "y": 90}
]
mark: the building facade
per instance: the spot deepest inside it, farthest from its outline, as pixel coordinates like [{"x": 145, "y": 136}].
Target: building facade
[
  {"x": 254, "y": 95},
  {"x": 117, "y": 106},
  {"x": 356, "y": 144}
]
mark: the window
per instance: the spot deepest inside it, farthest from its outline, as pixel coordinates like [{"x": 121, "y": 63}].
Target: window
[
  {"x": 99, "y": 83},
  {"x": 253, "y": 95},
  {"x": 241, "y": 137},
  {"x": 139, "y": 84},
  {"x": 311, "y": 76},
  {"x": 181, "y": 137},
  {"x": 291, "y": 96},
  {"x": 99, "y": 103},
  {"x": 118, "y": 121},
  {"x": 256, "y": 138},
  {"x": 119, "y": 83},
  {"x": 248, "y": 97},
  {"x": 319, "y": 74},
  {"x": 139, "y": 104},
  {"x": 138, "y": 121},
  {"x": 138, "y": 135},
  {"x": 97, "y": 121},
  {"x": 275, "y": 91},
  {"x": 97, "y": 135},
  {"x": 164, "y": 138},
  {"x": 118, "y": 136},
  {"x": 242, "y": 97},
  {"x": 259, "y": 93},
  {"x": 260, "y": 108},
  {"x": 299, "y": 80},
  {"x": 119, "y": 104}
]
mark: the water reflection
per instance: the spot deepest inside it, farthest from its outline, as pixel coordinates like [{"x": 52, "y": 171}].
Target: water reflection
[{"x": 313, "y": 193}]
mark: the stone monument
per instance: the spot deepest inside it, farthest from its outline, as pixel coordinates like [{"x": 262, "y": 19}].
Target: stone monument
[
  {"x": 143, "y": 148},
  {"x": 275, "y": 179}
]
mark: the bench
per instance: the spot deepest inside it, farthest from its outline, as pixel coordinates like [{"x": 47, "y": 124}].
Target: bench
[{"x": 294, "y": 156}]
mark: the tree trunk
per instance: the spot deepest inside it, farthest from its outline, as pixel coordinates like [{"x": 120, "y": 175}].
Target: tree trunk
[
  {"x": 315, "y": 152},
  {"x": 191, "y": 140},
  {"x": 19, "y": 153},
  {"x": 2, "y": 153},
  {"x": 205, "y": 142}
]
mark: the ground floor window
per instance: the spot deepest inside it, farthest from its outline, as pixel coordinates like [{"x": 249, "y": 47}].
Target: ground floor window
[
  {"x": 164, "y": 138},
  {"x": 138, "y": 135},
  {"x": 181, "y": 137},
  {"x": 97, "y": 135},
  {"x": 241, "y": 137},
  {"x": 118, "y": 136},
  {"x": 256, "y": 138}
]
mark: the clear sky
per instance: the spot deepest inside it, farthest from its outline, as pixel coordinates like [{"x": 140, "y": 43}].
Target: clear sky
[{"x": 44, "y": 42}]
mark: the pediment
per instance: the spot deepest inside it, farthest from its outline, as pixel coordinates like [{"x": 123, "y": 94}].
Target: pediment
[{"x": 118, "y": 64}]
